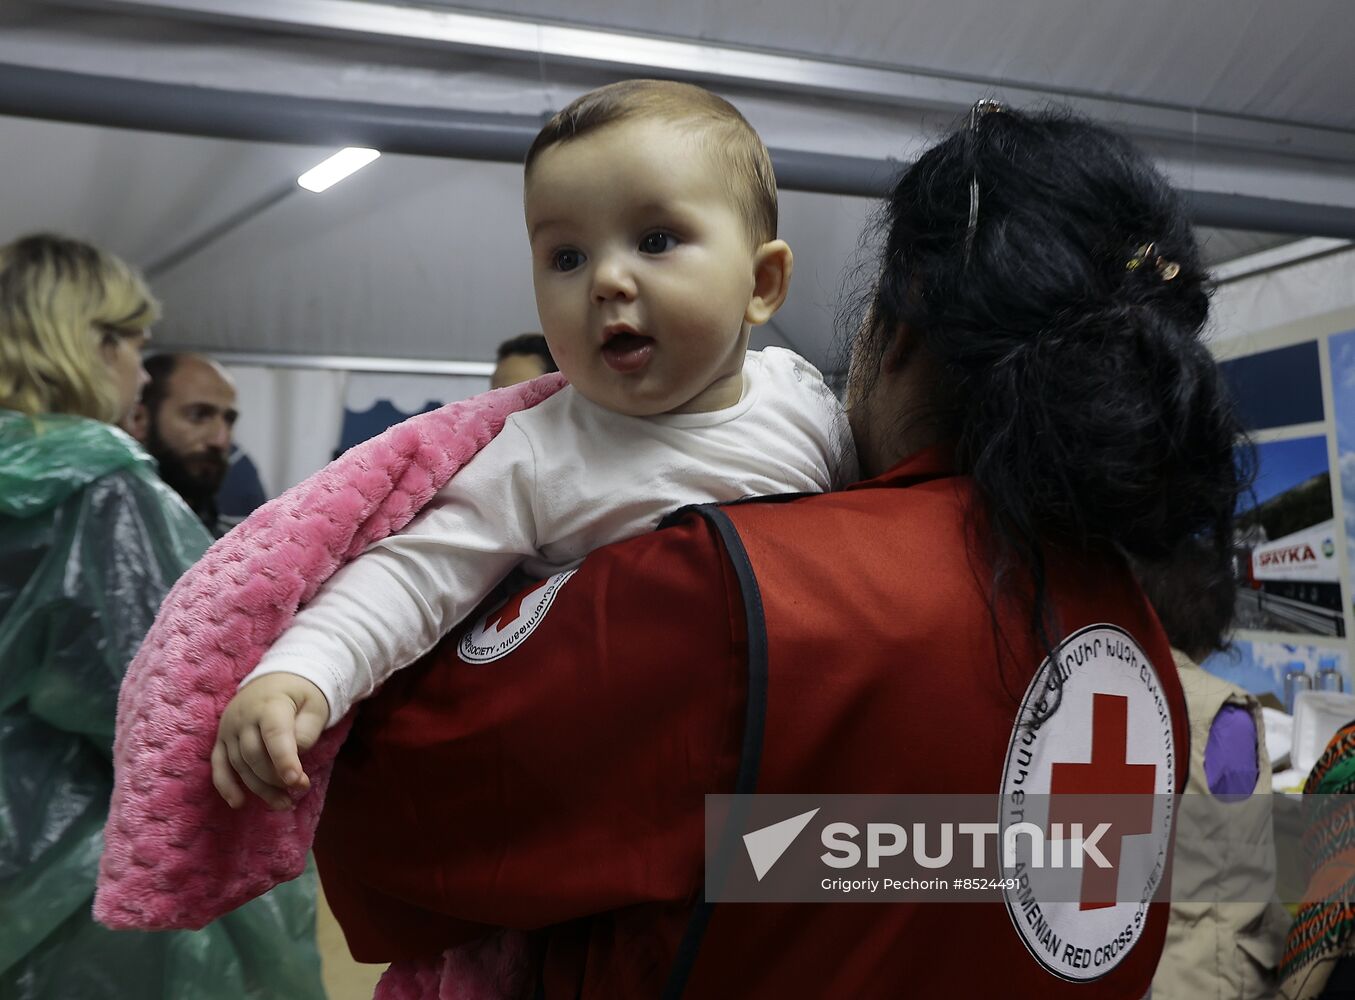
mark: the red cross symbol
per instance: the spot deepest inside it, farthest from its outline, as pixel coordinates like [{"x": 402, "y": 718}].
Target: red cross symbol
[
  {"x": 1107, "y": 773},
  {"x": 510, "y": 611}
]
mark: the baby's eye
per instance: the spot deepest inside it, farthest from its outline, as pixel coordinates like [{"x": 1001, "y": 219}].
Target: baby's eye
[
  {"x": 658, "y": 243},
  {"x": 566, "y": 260}
]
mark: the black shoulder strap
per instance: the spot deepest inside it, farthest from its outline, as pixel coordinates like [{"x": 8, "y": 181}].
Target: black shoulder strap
[{"x": 750, "y": 757}]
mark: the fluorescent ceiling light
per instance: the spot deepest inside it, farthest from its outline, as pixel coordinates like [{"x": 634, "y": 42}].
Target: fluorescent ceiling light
[{"x": 346, "y": 161}]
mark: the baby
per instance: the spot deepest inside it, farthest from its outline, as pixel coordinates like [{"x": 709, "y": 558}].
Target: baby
[{"x": 651, "y": 212}]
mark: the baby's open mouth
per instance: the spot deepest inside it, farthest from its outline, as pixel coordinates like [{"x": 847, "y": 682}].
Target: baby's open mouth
[{"x": 626, "y": 351}]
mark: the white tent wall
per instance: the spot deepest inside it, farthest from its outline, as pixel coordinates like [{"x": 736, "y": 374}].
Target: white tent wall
[
  {"x": 411, "y": 257},
  {"x": 289, "y": 420},
  {"x": 138, "y": 193},
  {"x": 1285, "y": 305}
]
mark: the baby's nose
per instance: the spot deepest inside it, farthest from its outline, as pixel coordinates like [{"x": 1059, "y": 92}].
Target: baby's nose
[{"x": 612, "y": 280}]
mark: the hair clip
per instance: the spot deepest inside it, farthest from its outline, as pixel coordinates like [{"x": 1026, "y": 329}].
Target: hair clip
[
  {"x": 1166, "y": 269},
  {"x": 984, "y": 107},
  {"x": 980, "y": 108}
]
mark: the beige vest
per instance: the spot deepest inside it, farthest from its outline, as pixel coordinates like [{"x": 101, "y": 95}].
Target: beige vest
[{"x": 1226, "y": 943}]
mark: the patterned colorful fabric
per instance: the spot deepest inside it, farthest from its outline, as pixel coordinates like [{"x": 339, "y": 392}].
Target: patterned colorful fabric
[{"x": 1325, "y": 924}]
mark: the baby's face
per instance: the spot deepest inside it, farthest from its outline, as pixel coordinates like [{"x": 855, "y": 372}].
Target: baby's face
[{"x": 643, "y": 267}]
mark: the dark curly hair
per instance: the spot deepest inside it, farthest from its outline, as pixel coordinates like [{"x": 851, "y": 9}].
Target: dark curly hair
[
  {"x": 1194, "y": 596},
  {"x": 1063, "y": 330}
]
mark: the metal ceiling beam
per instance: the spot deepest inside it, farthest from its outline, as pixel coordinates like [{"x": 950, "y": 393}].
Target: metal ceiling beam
[
  {"x": 117, "y": 102},
  {"x": 335, "y": 362},
  {"x": 229, "y": 114},
  {"x": 631, "y": 53},
  {"x": 1269, "y": 215},
  {"x": 121, "y": 102}
]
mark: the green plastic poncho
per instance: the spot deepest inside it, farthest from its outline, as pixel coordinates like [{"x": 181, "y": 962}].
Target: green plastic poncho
[{"x": 91, "y": 540}]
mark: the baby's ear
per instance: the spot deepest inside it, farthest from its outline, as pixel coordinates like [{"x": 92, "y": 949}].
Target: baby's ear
[{"x": 772, "y": 264}]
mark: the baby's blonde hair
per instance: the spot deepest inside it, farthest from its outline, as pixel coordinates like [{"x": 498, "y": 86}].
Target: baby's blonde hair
[
  {"x": 727, "y": 134},
  {"x": 60, "y": 300}
]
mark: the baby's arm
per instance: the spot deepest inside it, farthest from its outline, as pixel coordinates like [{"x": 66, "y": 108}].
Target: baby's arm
[
  {"x": 377, "y": 614},
  {"x": 262, "y": 731}
]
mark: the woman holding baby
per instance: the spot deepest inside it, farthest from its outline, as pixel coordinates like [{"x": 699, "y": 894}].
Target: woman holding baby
[{"x": 1031, "y": 405}]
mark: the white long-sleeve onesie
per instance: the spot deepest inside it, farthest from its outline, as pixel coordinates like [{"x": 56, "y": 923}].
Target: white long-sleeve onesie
[{"x": 562, "y": 478}]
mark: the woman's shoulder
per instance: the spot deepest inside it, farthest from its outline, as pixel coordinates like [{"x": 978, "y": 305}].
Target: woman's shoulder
[
  {"x": 134, "y": 508},
  {"x": 47, "y": 458}
]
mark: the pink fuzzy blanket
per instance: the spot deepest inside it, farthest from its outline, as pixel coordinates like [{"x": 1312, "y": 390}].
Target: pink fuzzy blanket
[{"x": 175, "y": 855}]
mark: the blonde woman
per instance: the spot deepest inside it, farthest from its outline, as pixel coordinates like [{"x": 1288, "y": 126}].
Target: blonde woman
[{"x": 90, "y": 542}]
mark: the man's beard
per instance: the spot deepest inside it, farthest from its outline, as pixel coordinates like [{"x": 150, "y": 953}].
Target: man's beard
[{"x": 197, "y": 479}]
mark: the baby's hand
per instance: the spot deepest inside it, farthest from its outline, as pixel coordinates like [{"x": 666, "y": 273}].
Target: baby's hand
[{"x": 263, "y": 729}]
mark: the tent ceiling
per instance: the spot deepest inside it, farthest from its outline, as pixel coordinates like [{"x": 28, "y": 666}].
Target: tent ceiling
[
  {"x": 1251, "y": 59},
  {"x": 1236, "y": 72},
  {"x": 1255, "y": 58}
]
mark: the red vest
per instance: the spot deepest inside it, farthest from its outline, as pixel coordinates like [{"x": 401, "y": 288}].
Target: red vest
[{"x": 560, "y": 786}]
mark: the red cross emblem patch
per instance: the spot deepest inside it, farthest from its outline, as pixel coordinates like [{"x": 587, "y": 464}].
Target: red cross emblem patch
[
  {"x": 1090, "y": 784},
  {"x": 500, "y": 631}
]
